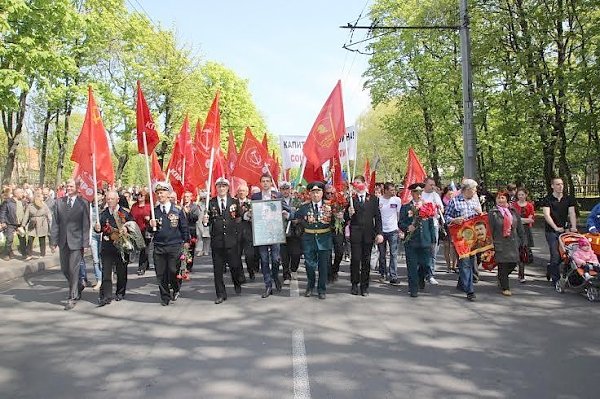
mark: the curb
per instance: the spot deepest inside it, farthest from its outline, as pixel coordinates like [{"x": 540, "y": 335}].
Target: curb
[{"x": 18, "y": 268}]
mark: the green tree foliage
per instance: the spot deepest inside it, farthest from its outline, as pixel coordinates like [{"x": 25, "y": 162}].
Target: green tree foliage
[
  {"x": 536, "y": 86},
  {"x": 52, "y": 50}
]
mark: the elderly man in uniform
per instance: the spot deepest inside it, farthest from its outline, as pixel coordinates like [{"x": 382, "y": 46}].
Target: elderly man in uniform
[
  {"x": 225, "y": 216},
  {"x": 171, "y": 234},
  {"x": 317, "y": 220}
]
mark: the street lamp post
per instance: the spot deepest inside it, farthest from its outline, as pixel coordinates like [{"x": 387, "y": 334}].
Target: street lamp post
[{"x": 469, "y": 137}]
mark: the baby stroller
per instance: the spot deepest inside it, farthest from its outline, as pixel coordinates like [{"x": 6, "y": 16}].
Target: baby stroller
[{"x": 571, "y": 277}]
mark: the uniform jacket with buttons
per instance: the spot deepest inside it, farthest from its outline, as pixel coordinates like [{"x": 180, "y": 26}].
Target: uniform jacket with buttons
[
  {"x": 224, "y": 226},
  {"x": 172, "y": 226},
  {"x": 319, "y": 241}
]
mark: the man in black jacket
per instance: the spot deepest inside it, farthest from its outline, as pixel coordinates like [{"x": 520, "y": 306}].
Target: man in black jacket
[
  {"x": 12, "y": 213},
  {"x": 111, "y": 223},
  {"x": 192, "y": 213},
  {"x": 224, "y": 217},
  {"x": 365, "y": 227}
]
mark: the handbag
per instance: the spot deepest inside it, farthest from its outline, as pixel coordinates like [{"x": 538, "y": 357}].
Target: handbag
[{"x": 525, "y": 254}]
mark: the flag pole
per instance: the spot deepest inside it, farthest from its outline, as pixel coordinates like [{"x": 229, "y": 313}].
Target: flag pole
[
  {"x": 348, "y": 168},
  {"x": 148, "y": 174},
  {"x": 95, "y": 185},
  {"x": 302, "y": 168},
  {"x": 209, "y": 181}
]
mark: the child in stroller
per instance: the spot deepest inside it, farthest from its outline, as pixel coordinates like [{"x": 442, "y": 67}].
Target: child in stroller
[
  {"x": 585, "y": 258},
  {"x": 572, "y": 275}
]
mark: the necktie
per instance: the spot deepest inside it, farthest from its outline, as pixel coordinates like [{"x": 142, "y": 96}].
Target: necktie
[
  {"x": 70, "y": 202},
  {"x": 316, "y": 206},
  {"x": 222, "y": 206},
  {"x": 163, "y": 209},
  {"x": 361, "y": 200}
]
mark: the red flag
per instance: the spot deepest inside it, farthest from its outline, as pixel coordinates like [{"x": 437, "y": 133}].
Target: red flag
[
  {"x": 220, "y": 169},
  {"x": 265, "y": 143},
  {"x": 156, "y": 173},
  {"x": 144, "y": 121},
  {"x": 92, "y": 142},
  {"x": 414, "y": 174},
  {"x": 313, "y": 172},
  {"x": 372, "y": 180},
  {"x": 232, "y": 154},
  {"x": 275, "y": 168},
  {"x": 367, "y": 172},
  {"x": 86, "y": 183},
  {"x": 252, "y": 161},
  {"x": 212, "y": 125},
  {"x": 322, "y": 142},
  {"x": 337, "y": 179},
  {"x": 183, "y": 154}
]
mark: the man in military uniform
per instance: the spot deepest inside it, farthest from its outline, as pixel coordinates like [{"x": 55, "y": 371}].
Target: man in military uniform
[
  {"x": 291, "y": 251},
  {"x": 111, "y": 223},
  {"x": 316, "y": 218},
  {"x": 172, "y": 232},
  {"x": 224, "y": 220}
]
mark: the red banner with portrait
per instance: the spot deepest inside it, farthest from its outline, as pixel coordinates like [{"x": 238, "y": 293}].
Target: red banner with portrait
[{"x": 473, "y": 237}]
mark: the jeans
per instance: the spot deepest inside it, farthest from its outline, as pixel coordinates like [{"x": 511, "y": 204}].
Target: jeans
[
  {"x": 552, "y": 240},
  {"x": 271, "y": 272},
  {"x": 391, "y": 238},
  {"x": 466, "y": 268},
  {"x": 435, "y": 247},
  {"x": 95, "y": 247}
]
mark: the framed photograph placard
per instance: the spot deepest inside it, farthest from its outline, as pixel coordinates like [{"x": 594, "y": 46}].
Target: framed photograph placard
[{"x": 267, "y": 222}]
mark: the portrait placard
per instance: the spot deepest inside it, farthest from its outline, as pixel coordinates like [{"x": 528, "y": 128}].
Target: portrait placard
[
  {"x": 472, "y": 237},
  {"x": 267, "y": 222}
]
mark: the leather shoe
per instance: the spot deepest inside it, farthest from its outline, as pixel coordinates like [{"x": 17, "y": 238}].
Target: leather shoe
[
  {"x": 421, "y": 284},
  {"x": 308, "y": 293},
  {"x": 364, "y": 292},
  {"x": 219, "y": 300},
  {"x": 267, "y": 292},
  {"x": 354, "y": 290},
  {"x": 322, "y": 295},
  {"x": 238, "y": 289},
  {"x": 141, "y": 272},
  {"x": 70, "y": 304},
  {"x": 164, "y": 303},
  {"x": 104, "y": 302},
  {"x": 278, "y": 285},
  {"x": 119, "y": 297},
  {"x": 251, "y": 276},
  {"x": 414, "y": 294}
]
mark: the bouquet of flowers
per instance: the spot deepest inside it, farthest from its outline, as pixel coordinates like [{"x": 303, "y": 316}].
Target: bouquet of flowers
[
  {"x": 419, "y": 212},
  {"x": 338, "y": 204},
  {"x": 184, "y": 259}
]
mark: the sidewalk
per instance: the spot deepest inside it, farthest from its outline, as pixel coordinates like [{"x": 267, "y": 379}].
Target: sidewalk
[{"x": 17, "y": 268}]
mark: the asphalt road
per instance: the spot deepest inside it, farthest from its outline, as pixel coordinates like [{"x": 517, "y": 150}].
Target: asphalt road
[{"x": 536, "y": 344}]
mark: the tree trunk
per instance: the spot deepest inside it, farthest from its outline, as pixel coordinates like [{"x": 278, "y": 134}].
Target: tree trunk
[
  {"x": 44, "y": 149},
  {"x": 13, "y": 135}
]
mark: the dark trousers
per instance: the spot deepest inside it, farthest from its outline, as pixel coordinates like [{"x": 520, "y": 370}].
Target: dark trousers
[
  {"x": 10, "y": 234},
  {"x": 251, "y": 255},
  {"x": 554, "y": 268},
  {"x": 504, "y": 270},
  {"x": 166, "y": 266},
  {"x": 418, "y": 264},
  {"x": 112, "y": 261},
  {"x": 289, "y": 261},
  {"x": 338, "y": 254},
  {"x": 190, "y": 264},
  {"x": 143, "y": 262},
  {"x": 360, "y": 263},
  {"x": 41, "y": 241},
  {"x": 69, "y": 265},
  {"x": 221, "y": 257},
  {"x": 317, "y": 260}
]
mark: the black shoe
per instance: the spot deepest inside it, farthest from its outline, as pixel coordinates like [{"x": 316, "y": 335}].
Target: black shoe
[
  {"x": 267, "y": 293},
  {"x": 80, "y": 289},
  {"x": 421, "y": 284},
  {"x": 308, "y": 292},
  {"x": 141, "y": 272},
  {"x": 119, "y": 297},
  {"x": 252, "y": 276},
  {"x": 414, "y": 294},
  {"x": 354, "y": 289},
  {"x": 176, "y": 296},
  {"x": 70, "y": 304},
  {"x": 238, "y": 289},
  {"x": 164, "y": 303},
  {"x": 364, "y": 291},
  {"x": 322, "y": 295},
  {"x": 219, "y": 300},
  {"x": 104, "y": 302},
  {"x": 475, "y": 279},
  {"x": 471, "y": 296},
  {"x": 277, "y": 285}
]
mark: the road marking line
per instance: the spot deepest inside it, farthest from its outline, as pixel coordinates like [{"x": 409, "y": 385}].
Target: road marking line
[{"x": 301, "y": 384}]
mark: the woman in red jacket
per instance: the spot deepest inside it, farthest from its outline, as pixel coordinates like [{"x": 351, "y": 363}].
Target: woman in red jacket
[
  {"x": 140, "y": 211},
  {"x": 526, "y": 210}
]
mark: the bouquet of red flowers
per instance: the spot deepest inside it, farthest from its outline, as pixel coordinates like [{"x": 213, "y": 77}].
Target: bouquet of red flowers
[
  {"x": 419, "y": 212},
  {"x": 427, "y": 210},
  {"x": 338, "y": 204},
  {"x": 184, "y": 258}
]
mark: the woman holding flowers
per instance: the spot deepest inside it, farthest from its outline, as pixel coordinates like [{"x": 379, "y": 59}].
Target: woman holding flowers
[{"x": 416, "y": 222}]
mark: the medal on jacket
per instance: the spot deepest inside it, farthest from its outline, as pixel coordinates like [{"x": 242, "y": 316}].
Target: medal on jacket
[{"x": 174, "y": 220}]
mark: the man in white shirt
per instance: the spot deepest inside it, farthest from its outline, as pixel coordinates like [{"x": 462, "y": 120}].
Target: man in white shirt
[
  {"x": 431, "y": 195},
  {"x": 389, "y": 206}
]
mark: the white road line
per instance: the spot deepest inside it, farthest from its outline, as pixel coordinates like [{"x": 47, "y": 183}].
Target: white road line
[
  {"x": 294, "y": 291},
  {"x": 301, "y": 384}
]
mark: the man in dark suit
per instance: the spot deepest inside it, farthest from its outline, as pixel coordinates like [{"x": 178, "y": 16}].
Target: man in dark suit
[
  {"x": 316, "y": 218},
  {"x": 245, "y": 234},
  {"x": 70, "y": 232},
  {"x": 365, "y": 227},
  {"x": 171, "y": 235},
  {"x": 270, "y": 272},
  {"x": 111, "y": 223},
  {"x": 225, "y": 215}
]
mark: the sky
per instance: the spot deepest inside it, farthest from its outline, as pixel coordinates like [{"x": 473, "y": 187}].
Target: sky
[{"x": 290, "y": 51}]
